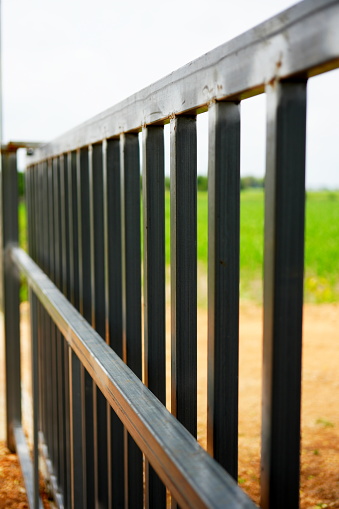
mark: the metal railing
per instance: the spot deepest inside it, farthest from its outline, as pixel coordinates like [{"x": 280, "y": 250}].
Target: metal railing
[{"x": 109, "y": 438}]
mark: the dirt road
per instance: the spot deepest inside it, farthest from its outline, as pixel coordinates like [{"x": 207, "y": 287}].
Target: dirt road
[{"x": 320, "y": 408}]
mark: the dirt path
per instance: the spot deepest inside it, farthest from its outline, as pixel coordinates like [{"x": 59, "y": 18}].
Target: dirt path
[
  {"x": 320, "y": 402},
  {"x": 320, "y": 409}
]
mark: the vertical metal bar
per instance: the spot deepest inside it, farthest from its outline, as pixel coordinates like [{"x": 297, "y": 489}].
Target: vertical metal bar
[
  {"x": 85, "y": 303},
  {"x": 283, "y": 293},
  {"x": 85, "y": 263},
  {"x": 45, "y": 253},
  {"x": 74, "y": 231},
  {"x": 34, "y": 346},
  {"x": 46, "y": 329},
  {"x": 39, "y": 218},
  {"x": 223, "y": 283},
  {"x": 30, "y": 223},
  {"x": 78, "y": 499},
  {"x": 52, "y": 326},
  {"x": 35, "y": 391},
  {"x": 11, "y": 289},
  {"x": 36, "y": 207},
  {"x": 66, "y": 288},
  {"x": 113, "y": 245},
  {"x": 42, "y": 242},
  {"x": 75, "y": 387},
  {"x": 131, "y": 291},
  {"x": 183, "y": 168},
  {"x": 60, "y": 226},
  {"x": 44, "y": 248},
  {"x": 98, "y": 250},
  {"x": 153, "y": 184},
  {"x": 34, "y": 247},
  {"x": 78, "y": 370},
  {"x": 114, "y": 307},
  {"x": 57, "y": 334},
  {"x": 56, "y": 207},
  {"x": 50, "y": 187},
  {"x": 99, "y": 319}
]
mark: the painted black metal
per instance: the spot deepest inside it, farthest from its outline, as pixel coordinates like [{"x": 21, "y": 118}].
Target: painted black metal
[
  {"x": 35, "y": 398},
  {"x": 66, "y": 276},
  {"x": 193, "y": 477},
  {"x": 97, "y": 241},
  {"x": 183, "y": 169},
  {"x": 9, "y": 226},
  {"x": 85, "y": 302},
  {"x": 131, "y": 255},
  {"x": 34, "y": 323},
  {"x": 59, "y": 216},
  {"x": 113, "y": 244},
  {"x": 112, "y": 201},
  {"x": 38, "y": 220},
  {"x": 108, "y": 258},
  {"x": 57, "y": 227},
  {"x": 283, "y": 293},
  {"x": 57, "y": 269},
  {"x": 131, "y": 296},
  {"x": 76, "y": 400},
  {"x": 153, "y": 185},
  {"x": 43, "y": 257},
  {"x": 74, "y": 233},
  {"x": 84, "y": 228},
  {"x": 39, "y": 232},
  {"x": 64, "y": 418},
  {"x": 99, "y": 318},
  {"x": 52, "y": 336},
  {"x": 65, "y": 353},
  {"x": 78, "y": 493},
  {"x": 223, "y": 284},
  {"x": 45, "y": 333},
  {"x": 67, "y": 431},
  {"x": 35, "y": 371}
]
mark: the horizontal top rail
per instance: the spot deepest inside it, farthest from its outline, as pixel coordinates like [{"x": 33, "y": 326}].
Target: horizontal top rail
[
  {"x": 190, "y": 473},
  {"x": 13, "y": 146},
  {"x": 301, "y": 41}
]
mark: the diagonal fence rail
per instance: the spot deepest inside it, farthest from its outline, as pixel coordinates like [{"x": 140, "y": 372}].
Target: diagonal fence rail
[{"x": 109, "y": 439}]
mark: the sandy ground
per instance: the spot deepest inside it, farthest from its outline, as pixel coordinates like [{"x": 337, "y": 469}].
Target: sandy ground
[{"x": 320, "y": 408}]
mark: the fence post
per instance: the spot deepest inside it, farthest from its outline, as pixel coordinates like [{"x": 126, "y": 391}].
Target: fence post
[
  {"x": 283, "y": 293},
  {"x": 11, "y": 288}
]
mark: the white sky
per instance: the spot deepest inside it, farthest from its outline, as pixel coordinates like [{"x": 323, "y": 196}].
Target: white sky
[{"x": 64, "y": 61}]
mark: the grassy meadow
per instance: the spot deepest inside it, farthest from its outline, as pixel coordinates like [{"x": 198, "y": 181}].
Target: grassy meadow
[
  {"x": 321, "y": 245},
  {"x": 321, "y": 249}
]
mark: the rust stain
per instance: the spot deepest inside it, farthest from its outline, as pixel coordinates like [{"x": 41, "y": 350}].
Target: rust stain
[{"x": 272, "y": 81}]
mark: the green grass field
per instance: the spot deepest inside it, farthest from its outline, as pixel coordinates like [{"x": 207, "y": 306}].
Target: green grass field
[
  {"x": 321, "y": 246},
  {"x": 321, "y": 249}
]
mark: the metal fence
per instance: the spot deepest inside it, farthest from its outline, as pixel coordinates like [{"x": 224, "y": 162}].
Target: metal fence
[{"x": 109, "y": 440}]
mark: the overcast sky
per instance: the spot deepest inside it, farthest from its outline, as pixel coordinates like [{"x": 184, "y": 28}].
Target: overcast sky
[{"x": 64, "y": 61}]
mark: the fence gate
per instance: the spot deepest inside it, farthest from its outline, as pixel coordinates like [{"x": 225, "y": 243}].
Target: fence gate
[{"x": 98, "y": 381}]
